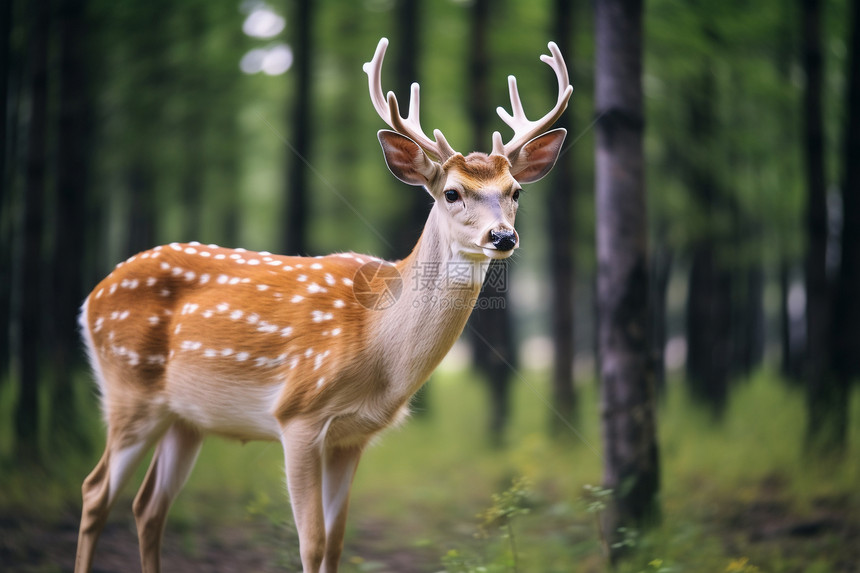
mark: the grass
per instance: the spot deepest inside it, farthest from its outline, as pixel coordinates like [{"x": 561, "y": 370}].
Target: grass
[{"x": 736, "y": 494}]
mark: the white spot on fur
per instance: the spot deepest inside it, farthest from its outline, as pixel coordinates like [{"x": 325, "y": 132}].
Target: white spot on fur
[
  {"x": 156, "y": 359},
  {"x": 316, "y": 266},
  {"x": 297, "y": 298},
  {"x": 236, "y": 314},
  {"x": 98, "y": 325},
  {"x": 302, "y": 278},
  {"x": 222, "y": 307},
  {"x": 210, "y": 353},
  {"x": 222, "y": 279},
  {"x": 205, "y": 254},
  {"x": 165, "y": 266},
  {"x": 113, "y": 288},
  {"x": 262, "y": 287},
  {"x": 176, "y": 271},
  {"x": 100, "y": 293},
  {"x": 190, "y": 276},
  {"x": 204, "y": 278},
  {"x": 339, "y": 303},
  {"x": 314, "y": 288},
  {"x": 336, "y": 331},
  {"x": 234, "y": 281},
  {"x": 267, "y": 327},
  {"x": 347, "y": 282},
  {"x": 320, "y": 316},
  {"x": 320, "y": 382},
  {"x": 329, "y": 279},
  {"x": 175, "y": 246},
  {"x": 253, "y": 262},
  {"x": 220, "y": 256},
  {"x": 191, "y": 250},
  {"x": 274, "y": 263},
  {"x": 253, "y": 318},
  {"x": 153, "y": 320},
  {"x": 242, "y": 356},
  {"x": 286, "y": 331},
  {"x": 151, "y": 281},
  {"x": 226, "y": 352}
]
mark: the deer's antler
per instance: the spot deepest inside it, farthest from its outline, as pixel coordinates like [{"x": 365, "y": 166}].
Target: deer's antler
[
  {"x": 389, "y": 111},
  {"x": 525, "y": 130}
]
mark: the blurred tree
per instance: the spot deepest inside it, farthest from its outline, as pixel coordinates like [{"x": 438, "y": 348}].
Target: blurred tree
[
  {"x": 295, "y": 234},
  {"x": 562, "y": 264},
  {"x": 822, "y": 387},
  {"x": 406, "y": 66},
  {"x": 5, "y": 187},
  {"x": 74, "y": 148},
  {"x": 833, "y": 424},
  {"x": 630, "y": 458},
  {"x": 491, "y": 326},
  {"x": 30, "y": 275},
  {"x": 195, "y": 115}
]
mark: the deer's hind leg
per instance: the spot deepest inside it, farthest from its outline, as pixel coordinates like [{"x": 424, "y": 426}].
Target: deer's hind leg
[
  {"x": 126, "y": 446},
  {"x": 170, "y": 467}
]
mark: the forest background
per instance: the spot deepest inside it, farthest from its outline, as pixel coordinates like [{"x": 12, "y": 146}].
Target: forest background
[{"x": 128, "y": 125}]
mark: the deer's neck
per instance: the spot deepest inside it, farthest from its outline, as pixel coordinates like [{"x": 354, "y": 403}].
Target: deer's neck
[{"x": 440, "y": 288}]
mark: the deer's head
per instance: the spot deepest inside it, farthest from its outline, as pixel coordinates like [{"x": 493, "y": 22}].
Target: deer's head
[{"x": 476, "y": 195}]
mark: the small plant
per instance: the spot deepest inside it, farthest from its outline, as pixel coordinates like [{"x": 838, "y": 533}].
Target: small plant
[
  {"x": 506, "y": 506},
  {"x": 595, "y": 499},
  {"x": 741, "y": 565}
]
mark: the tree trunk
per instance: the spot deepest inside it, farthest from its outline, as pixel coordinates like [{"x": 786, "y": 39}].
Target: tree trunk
[
  {"x": 846, "y": 315},
  {"x": 6, "y": 199},
  {"x": 823, "y": 396},
  {"x": 562, "y": 265},
  {"x": 30, "y": 280},
  {"x": 661, "y": 274},
  {"x": 416, "y": 205},
  {"x": 630, "y": 459},
  {"x": 72, "y": 186},
  {"x": 709, "y": 328},
  {"x": 295, "y": 222},
  {"x": 491, "y": 325}
]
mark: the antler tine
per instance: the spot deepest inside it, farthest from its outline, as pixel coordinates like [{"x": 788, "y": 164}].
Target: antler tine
[
  {"x": 525, "y": 130},
  {"x": 389, "y": 110}
]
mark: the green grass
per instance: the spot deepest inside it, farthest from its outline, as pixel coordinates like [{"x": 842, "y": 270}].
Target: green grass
[{"x": 730, "y": 489}]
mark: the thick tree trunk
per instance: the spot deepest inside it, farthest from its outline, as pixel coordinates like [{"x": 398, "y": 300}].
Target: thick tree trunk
[
  {"x": 631, "y": 466},
  {"x": 72, "y": 190},
  {"x": 846, "y": 315},
  {"x": 493, "y": 340},
  {"x": 560, "y": 212},
  {"x": 824, "y": 398},
  {"x": 30, "y": 279},
  {"x": 295, "y": 221}
]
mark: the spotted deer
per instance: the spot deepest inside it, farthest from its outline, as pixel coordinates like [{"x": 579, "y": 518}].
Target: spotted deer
[{"x": 319, "y": 354}]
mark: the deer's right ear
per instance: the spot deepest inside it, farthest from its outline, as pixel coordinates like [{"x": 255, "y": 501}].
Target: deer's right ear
[{"x": 406, "y": 160}]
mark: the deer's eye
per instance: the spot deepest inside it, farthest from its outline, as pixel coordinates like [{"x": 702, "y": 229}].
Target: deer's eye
[
  {"x": 516, "y": 195},
  {"x": 451, "y": 196}
]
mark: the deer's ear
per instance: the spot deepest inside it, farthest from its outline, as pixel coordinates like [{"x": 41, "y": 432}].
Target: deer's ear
[
  {"x": 406, "y": 160},
  {"x": 538, "y": 156}
]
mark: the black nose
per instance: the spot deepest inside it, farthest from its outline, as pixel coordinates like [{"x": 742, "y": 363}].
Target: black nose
[{"x": 503, "y": 240}]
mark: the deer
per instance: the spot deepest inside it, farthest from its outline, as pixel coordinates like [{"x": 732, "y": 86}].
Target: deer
[{"x": 318, "y": 353}]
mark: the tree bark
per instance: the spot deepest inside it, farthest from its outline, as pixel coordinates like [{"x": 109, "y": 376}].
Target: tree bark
[
  {"x": 295, "y": 222},
  {"x": 628, "y": 424},
  {"x": 824, "y": 398},
  {"x": 562, "y": 264}
]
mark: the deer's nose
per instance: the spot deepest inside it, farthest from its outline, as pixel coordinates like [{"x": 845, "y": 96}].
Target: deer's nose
[{"x": 503, "y": 240}]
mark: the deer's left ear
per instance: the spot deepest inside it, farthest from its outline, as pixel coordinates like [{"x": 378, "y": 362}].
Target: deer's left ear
[
  {"x": 406, "y": 160},
  {"x": 538, "y": 156}
]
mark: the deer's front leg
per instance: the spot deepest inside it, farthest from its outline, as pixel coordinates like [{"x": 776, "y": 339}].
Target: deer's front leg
[
  {"x": 339, "y": 467},
  {"x": 303, "y": 454}
]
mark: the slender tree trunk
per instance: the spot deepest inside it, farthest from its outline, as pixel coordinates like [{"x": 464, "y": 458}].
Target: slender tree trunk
[
  {"x": 72, "y": 186},
  {"x": 6, "y": 199},
  {"x": 295, "y": 222},
  {"x": 562, "y": 264},
  {"x": 823, "y": 397},
  {"x": 491, "y": 324},
  {"x": 630, "y": 459},
  {"x": 846, "y": 315},
  {"x": 30, "y": 284},
  {"x": 193, "y": 122},
  {"x": 661, "y": 273}
]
